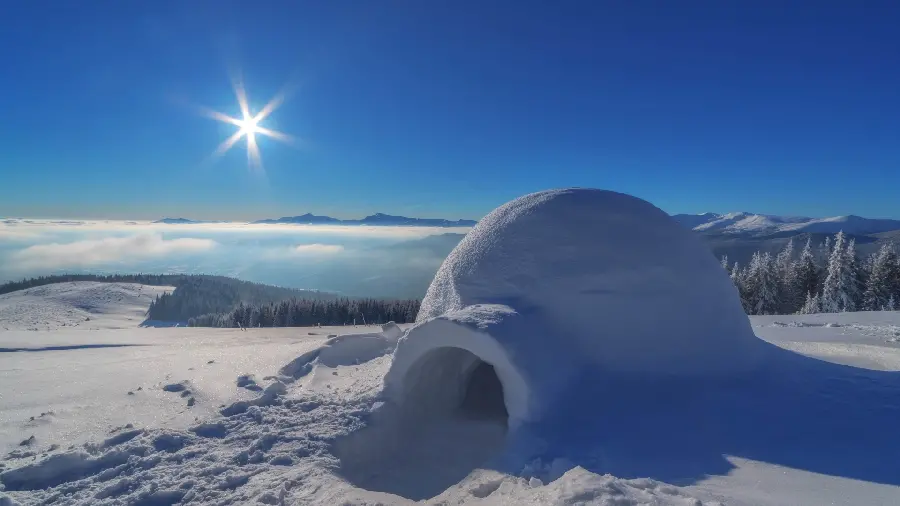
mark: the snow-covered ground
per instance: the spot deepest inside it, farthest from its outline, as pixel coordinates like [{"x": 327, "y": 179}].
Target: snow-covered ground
[
  {"x": 165, "y": 416},
  {"x": 750, "y": 223},
  {"x": 81, "y": 304}
]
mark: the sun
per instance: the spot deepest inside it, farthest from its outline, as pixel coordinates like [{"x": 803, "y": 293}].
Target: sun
[{"x": 249, "y": 126}]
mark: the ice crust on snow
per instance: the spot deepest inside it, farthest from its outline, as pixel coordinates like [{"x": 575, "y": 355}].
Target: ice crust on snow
[{"x": 558, "y": 282}]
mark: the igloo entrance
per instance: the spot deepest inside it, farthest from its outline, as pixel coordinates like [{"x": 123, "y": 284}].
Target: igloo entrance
[
  {"x": 452, "y": 420},
  {"x": 450, "y": 381}
]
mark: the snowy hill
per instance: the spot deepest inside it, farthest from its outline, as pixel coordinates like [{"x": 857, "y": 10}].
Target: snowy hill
[
  {"x": 767, "y": 225},
  {"x": 276, "y": 418},
  {"x": 547, "y": 366},
  {"x": 81, "y": 304}
]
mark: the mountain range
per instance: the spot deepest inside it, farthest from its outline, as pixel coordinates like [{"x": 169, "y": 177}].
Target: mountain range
[
  {"x": 377, "y": 219},
  {"x": 765, "y": 225},
  {"x": 739, "y": 235}
]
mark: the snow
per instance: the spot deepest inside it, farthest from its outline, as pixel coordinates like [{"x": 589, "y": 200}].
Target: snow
[
  {"x": 524, "y": 293},
  {"x": 604, "y": 265},
  {"x": 755, "y": 224},
  {"x": 319, "y": 430},
  {"x": 82, "y": 304},
  {"x": 289, "y": 444},
  {"x": 549, "y": 367}
]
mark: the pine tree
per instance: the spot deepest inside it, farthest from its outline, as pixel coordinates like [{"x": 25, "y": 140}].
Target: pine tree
[
  {"x": 725, "y": 264},
  {"x": 762, "y": 285},
  {"x": 738, "y": 279},
  {"x": 839, "y": 284},
  {"x": 805, "y": 277},
  {"x": 826, "y": 247},
  {"x": 812, "y": 305},
  {"x": 880, "y": 285},
  {"x": 855, "y": 278},
  {"x": 784, "y": 265},
  {"x": 785, "y": 257}
]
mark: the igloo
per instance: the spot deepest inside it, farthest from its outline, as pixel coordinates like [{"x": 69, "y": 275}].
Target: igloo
[{"x": 554, "y": 286}]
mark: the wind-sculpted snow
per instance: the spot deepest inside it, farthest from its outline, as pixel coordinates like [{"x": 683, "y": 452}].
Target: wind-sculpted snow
[
  {"x": 279, "y": 448},
  {"x": 798, "y": 431}
]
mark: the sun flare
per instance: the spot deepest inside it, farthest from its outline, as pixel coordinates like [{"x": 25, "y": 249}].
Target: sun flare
[{"x": 249, "y": 126}]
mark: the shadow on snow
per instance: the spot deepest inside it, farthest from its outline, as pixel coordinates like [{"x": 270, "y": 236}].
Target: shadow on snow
[{"x": 797, "y": 412}]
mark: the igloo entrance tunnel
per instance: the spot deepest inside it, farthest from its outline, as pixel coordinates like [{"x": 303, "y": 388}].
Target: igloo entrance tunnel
[{"x": 556, "y": 285}]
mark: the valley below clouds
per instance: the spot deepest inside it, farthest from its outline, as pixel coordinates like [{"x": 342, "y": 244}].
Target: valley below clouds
[{"x": 391, "y": 261}]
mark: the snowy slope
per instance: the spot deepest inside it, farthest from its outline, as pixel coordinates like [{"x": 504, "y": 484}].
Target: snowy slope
[
  {"x": 762, "y": 224},
  {"x": 802, "y": 432},
  {"x": 81, "y": 304}
]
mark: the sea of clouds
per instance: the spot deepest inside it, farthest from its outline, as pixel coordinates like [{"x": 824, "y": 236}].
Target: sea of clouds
[{"x": 355, "y": 260}]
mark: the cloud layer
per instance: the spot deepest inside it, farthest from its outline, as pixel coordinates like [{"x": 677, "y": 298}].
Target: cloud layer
[
  {"x": 91, "y": 252},
  {"x": 355, "y": 260},
  {"x": 318, "y": 249}
]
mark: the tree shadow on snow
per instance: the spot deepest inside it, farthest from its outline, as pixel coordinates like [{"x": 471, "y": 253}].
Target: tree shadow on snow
[{"x": 797, "y": 412}]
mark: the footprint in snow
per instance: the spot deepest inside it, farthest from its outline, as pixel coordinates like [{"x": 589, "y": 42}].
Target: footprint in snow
[{"x": 176, "y": 387}]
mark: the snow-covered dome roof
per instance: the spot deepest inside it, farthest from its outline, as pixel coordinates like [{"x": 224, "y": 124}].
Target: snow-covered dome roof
[
  {"x": 612, "y": 273},
  {"x": 594, "y": 279}
]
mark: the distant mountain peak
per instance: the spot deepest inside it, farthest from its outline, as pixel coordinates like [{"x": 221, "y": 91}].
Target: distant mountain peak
[
  {"x": 175, "y": 221},
  {"x": 759, "y": 225},
  {"x": 377, "y": 219}
]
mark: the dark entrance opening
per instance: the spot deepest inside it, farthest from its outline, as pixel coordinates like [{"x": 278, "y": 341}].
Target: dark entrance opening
[
  {"x": 453, "y": 420},
  {"x": 484, "y": 394}
]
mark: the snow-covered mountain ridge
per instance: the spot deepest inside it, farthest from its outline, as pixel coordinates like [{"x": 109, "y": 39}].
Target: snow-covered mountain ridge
[{"x": 743, "y": 223}]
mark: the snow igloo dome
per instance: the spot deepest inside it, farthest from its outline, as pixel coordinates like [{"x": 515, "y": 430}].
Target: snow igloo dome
[{"x": 560, "y": 282}]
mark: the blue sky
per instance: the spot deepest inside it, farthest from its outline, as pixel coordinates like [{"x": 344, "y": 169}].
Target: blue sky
[{"x": 450, "y": 108}]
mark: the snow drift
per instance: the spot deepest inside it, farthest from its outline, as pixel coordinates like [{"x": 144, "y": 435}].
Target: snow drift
[{"x": 562, "y": 282}]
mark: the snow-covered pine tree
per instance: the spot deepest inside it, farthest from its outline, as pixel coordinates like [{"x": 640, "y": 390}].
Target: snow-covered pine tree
[
  {"x": 825, "y": 248},
  {"x": 891, "y": 305},
  {"x": 805, "y": 276},
  {"x": 837, "y": 289},
  {"x": 762, "y": 284},
  {"x": 855, "y": 278},
  {"x": 738, "y": 277},
  {"x": 725, "y": 264},
  {"x": 784, "y": 263},
  {"x": 811, "y": 305},
  {"x": 880, "y": 285},
  {"x": 786, "y": 256}
]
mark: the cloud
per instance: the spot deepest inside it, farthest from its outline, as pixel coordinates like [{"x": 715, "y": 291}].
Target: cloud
[
  {"x": 12, "y": 234},
  {"x": 107, "y": 250},
  {"x": 52, "y": 227},
  {"x": 318, "y": 249}
]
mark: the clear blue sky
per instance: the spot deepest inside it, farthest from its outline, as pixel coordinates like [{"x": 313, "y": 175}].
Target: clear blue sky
[{"x": 449, "y": 108}]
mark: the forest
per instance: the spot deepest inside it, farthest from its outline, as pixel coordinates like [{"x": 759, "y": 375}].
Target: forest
[
  {"x": 828, "y": 278},
  {"x": 194, "y": 294},
  {"x": 309, "y": 313}
]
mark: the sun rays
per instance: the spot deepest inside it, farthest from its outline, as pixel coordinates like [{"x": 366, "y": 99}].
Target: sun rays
[{"x": 248, "y": 125}]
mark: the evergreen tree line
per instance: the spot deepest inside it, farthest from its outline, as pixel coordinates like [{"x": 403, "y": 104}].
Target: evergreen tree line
[
  {"x": 200, "y": 295},
  {"x": 194, "y": 294},
  {"x": 830, "y": 278},
  {"x": 308, "y": 313}
]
